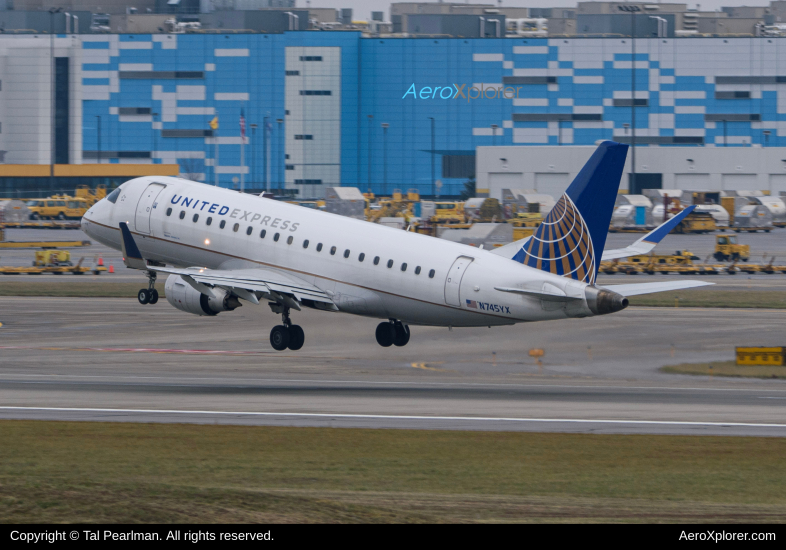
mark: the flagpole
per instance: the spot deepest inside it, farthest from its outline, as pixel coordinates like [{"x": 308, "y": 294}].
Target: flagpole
[{"x": 242, "y": 150}]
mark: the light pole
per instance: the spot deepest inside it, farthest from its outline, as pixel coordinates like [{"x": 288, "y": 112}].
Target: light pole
[
  {"x": 155, "y": 140},
  {"x": 494, "y": 134},
  {"x": 265, "y": 152},
  {"x": 52, "y": 12},
  {"x": 632, "y": 10},
  {"x": 724, "y": 133},
  {"x": 281, "y": 151},
  {"x": 385, "y": 127},
  {"x": 98, "y": 137},
  {"x": 370, "y": 119},
  {"x": 253, "y": 153},
  {"x": 433, "y": 179}
]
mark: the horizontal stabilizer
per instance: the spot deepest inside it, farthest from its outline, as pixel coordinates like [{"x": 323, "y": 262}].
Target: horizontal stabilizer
[
  {"x": 648, "y": 241},
  {"x": 545, "y": 296},
  {"x": 650, "y": 288}
]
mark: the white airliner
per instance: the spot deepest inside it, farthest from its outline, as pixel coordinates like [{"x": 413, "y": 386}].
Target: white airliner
[{"x": 220, "y": 247}]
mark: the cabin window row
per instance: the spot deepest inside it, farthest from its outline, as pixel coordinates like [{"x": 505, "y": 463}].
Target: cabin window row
[{"x": 290, "y": 240}]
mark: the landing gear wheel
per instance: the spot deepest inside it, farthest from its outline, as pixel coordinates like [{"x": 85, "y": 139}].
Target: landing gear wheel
[
  {"x": 402, "y": 335},
  {"x": 279, "y": 337},
  {"x": 386, "y": 334},
  {"x": 153, "y": 296},
  {"x": 296, "y": 337},
  {"x": 143, "y": 296}
]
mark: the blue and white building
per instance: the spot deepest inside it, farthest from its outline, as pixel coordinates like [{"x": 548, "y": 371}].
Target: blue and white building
[{"x": 315, "y": 102}]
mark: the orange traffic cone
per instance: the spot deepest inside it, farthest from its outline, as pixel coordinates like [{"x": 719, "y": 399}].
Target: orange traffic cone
[
  {"x": 100, "y": 262},
  {"x": 111, "y": 268}
]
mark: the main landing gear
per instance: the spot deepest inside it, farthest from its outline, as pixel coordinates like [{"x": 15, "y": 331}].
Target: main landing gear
[
  {"x": 286, "y": 335},
  {"x": 392, "y": 333},
  {"x": 148, "y": 295}
]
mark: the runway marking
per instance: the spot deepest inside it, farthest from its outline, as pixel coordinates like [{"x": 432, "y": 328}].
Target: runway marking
[
  {"x": 423, "y": 366},
  {"x": 402, "y": 383},
  {"x": 403, "y": 417},
  {"x": 162, "y": 350}
]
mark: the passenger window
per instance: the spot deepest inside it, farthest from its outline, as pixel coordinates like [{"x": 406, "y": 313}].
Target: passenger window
[
  {"x": 262, "y": 233},
  {"x": 346, "y": 253},
  {"x": 319, "y": 247},
  {"x": 390, "y": 264},
  {"x": 431, "y": 274},
  {"x": 182, "y": 214},
  {"x": 168, "y": 211},
  {"x": 403, "y": 267},
  {"x": 361, "y": 257},
  {"x": 276, "y": 236},
  {"x": 305, "y": 243},
  {"x": 223, "y": 224},
  {"x": 208, "y": 221},
  {"x": 195, "y": 218},
  {"x": 60, "y": 203},
  {"x": 236, "y": 227},
  {"x": 50, "y": 203},
  {"x": 332, "y": 250},
  {"x": 417, "y": 270},
  {"x": 290, "y": 239},
  {"x": 249, "y": 230},
  {"x": 376, "y": 260}
]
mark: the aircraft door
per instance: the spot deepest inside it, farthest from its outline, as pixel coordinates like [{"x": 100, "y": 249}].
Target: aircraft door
[
  {"x": 453, "y": 280},
  {"x": 144, "y": 208}
]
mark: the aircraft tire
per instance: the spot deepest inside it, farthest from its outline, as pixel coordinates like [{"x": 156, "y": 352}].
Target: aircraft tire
[
  {"x": 402, "y": 335},
  {"x": 153, "y": 296},
  {"x": 386, "y": 334},
  {"x": 279, "y": 337},
  {"x": 143, "y": 296},
  {"x": 296, "y": 337}
]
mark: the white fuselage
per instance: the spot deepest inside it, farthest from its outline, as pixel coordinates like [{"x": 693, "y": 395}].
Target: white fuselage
[{"x": 466, "y": 298}]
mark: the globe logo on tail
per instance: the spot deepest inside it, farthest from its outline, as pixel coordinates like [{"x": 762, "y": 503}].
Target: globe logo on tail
[{"x": 562, "y": 244}]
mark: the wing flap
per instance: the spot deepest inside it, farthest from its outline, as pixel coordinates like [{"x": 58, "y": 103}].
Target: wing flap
[{"x": 252, "y": 280}]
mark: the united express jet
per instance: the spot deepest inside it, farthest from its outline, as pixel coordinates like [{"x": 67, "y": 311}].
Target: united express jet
[{"x": 219, "y": 247}]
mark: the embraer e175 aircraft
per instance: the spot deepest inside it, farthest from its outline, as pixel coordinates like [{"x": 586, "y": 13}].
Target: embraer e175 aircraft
[{"x": 219, "y": 247}]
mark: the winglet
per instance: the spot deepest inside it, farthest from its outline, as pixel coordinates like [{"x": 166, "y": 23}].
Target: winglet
[
  {"x": 656, "y": 235},
  {"x": 645, "y": 244},
  {"x": 132, "y": 257}
]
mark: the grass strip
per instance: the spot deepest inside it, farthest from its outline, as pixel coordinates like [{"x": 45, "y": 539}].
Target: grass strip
[
  {"x": 765, "y": 299},
  {"x": 124, "y": 472},
  {"x": 725, "y": 368}
]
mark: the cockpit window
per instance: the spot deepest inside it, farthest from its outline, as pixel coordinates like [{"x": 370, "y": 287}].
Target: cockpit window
[{"x": 112, "y": 197}]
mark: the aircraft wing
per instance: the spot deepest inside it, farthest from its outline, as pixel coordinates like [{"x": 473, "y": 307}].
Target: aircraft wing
[
  {"x": 649, "y": 288},
  {"x": 648, "y": 241},
  {"x": 275, "y": 285},
  {"x": 268, "y": 281}
]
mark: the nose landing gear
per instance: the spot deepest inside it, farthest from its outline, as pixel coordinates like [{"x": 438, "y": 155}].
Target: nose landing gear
[
  {"x": 392, "y": 333},
  {"x": 148, "y": 295},
  {"x": 286, "y": 335}
]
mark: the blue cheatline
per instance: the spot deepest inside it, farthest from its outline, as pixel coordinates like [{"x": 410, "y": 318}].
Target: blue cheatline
[{"x": 571, "y": 239}]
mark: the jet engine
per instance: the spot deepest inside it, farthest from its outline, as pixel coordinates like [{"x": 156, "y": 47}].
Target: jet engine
[{"x": 186, "y": 298}]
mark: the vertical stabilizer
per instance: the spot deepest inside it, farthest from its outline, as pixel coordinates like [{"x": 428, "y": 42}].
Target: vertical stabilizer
[{"x": 571, "y": 239}]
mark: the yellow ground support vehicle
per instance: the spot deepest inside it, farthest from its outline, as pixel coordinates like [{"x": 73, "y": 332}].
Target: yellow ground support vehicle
[
  {"x": 526, "y": 219},
  {"x": 448, "y": 212},
  {"x": 52, "y": 258},
  {"x": 58, "y": 207},
  {"x": 697, "y": 222},
  {"x": 727, "y": 248},
  {"x": 91, "y": 196}
]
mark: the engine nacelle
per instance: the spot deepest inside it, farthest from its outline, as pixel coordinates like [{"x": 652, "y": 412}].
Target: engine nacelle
[{"x": 186, "y": 298}]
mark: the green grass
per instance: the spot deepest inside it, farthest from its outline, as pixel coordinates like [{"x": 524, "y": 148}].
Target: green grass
[
  {"x": 74, "y": 288},
  {"x": 714, "y": 298},
  {"x": 122, "y": 472},
  {"x": 726, "y": 368}
]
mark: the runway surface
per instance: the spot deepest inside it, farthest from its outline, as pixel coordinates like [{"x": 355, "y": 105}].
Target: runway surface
[{"x": 115, "y": 360}]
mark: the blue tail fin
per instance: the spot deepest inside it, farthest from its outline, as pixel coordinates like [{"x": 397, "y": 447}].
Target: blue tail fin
[{"x": 571, "y": 239}]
